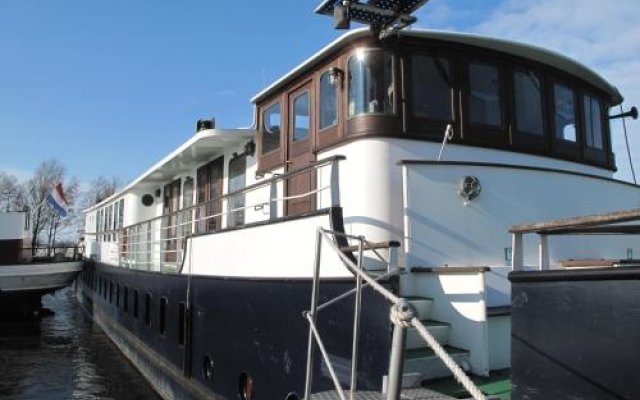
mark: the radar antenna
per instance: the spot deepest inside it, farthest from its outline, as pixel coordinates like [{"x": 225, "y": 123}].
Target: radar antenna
[{"x": 383, "y": 16}]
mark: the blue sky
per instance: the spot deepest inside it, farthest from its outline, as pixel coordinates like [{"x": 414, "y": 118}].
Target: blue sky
[{"x": 110, "y": 87}]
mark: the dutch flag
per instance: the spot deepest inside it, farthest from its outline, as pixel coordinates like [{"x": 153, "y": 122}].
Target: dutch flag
[{"x": 58, "y": 201}]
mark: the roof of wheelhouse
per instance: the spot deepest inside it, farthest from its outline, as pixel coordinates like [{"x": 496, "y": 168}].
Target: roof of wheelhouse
[{"x": 523, "y": 50}]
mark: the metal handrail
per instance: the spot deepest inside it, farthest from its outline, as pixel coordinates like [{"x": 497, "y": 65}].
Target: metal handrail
[
  {"x": 264, "y": 183},
  {"x": 155, "y": 236},
  {"x": 401, "y": 313}
]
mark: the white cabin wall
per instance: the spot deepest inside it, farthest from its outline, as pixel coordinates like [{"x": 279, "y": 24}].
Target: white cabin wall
[
  {"x": 12, "y": 226},
  {"x": 371, "y": 181}
]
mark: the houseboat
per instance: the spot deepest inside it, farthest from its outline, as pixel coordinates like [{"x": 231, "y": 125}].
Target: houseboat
[
  {"x": 24, "y": 279},
  {"x": 411, "y": 156}
]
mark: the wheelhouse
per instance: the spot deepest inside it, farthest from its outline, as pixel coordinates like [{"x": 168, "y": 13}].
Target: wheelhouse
[{"x": 494, "y": 93}]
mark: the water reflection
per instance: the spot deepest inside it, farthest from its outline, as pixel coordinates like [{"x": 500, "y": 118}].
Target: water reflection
[{"x": 65, "y": 356}]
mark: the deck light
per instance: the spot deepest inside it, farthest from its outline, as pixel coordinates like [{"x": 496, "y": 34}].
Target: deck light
[
  {"x": 633, "y": 113},
  {"x": 341, "y": 19},
  {"x": 250, "y": 148},
  {"x": 335, "y": 75}
]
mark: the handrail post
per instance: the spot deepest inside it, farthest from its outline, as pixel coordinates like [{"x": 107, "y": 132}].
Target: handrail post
[
  {"x": 517, "y": 259},
  {"x": 335, "y": 183},
  {"x": 396, "y": 362},
  {"x": 544, "y": 252},
  {"x": 356, "y": 323},
  {"x": 314, "y": 307},
  {"x": 273, "y": 202},
  {"x": 393, "y": 258}
]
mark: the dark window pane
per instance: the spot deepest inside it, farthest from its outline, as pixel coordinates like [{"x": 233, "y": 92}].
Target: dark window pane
[
  {"x": 163, "y": 315},
  {"x": 328, "y": 104},
  {"x": 147, "y": 309},
  {"x": 237, "y": 181},
  {"x": 485, "y": 102},
  {"x": 271, "y": 128},
  {"x": 564, "y": 113},
  {"x": 593, "y": 122},
  {"x": 181, "y": 320},
  {"x": 528, "y": 94},
  {"x": 301, "y": 120},
  {"x": 371, "y": 83},
  {"x": 431, "y": 88}
]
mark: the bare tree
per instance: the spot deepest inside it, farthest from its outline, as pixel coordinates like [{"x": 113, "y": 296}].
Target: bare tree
[
  {"x": 45, "y": 222},
  {"x": 10, "y": 192},
  {"x": 100, "y": 189}
]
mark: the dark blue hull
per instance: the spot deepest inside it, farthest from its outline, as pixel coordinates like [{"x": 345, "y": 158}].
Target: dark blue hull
[{"x": 234, "y": 326}]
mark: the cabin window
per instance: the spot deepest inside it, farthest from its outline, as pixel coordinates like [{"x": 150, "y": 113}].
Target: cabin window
[
  {"x": 147, "y": 309},
  {"x": 527, "y": 87},
  {"x": 163, "y": 315},
  {"x": 593, "y": 122},
  {"x": 110, "y": 291},
  {"x": 181, "y": 325},
  {"x": 370, "y": 80},
  {"x": 485, "y": 95},
  {"x": 328, "y": 101},
  {"x": 431, "y": 88},
  {"x": 117, "y": 295},
  {"x": 271, "y": 122},
  {"x": 564, "y": 113},
  {"x": 121, "y": 214},
  {"x": 237, "y": 181},
  {"x": 301, "y": 118},
  {"x": 135, "y": 304},
  {"x": 125, "y": 299}
]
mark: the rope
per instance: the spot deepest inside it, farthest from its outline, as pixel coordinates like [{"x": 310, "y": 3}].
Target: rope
[
  {"x": 458, "y": 373},
  {"x": 402, "y": 314},
  {"x": 626, "y": 139}
]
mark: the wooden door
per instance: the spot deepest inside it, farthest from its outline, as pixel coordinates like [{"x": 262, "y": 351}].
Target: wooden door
[
  {"x": 210, "y": 177},
  {"x": 300, "y": 137},
  {"x": 171, "y": 205}
]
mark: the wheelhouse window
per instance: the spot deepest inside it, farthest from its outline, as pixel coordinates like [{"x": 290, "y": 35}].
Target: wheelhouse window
[
  {"x": 431, "y": 88},
  {"x": 301, "y": 118},
  {"x": 564, "y": 113},
  {"x": 271, "y": 122},
  {"x": 485, "y": 95},
  {"x": 371, "y": 88},
  {"x": 593, "y": 122},
  {"x": 328, "y": 115},
  {"x": 527, "y": 87}
]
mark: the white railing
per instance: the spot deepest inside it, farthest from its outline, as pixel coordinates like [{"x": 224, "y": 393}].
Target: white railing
[
  {"x": 159, "y": 244},
  {"x": 615, "y": 223}
]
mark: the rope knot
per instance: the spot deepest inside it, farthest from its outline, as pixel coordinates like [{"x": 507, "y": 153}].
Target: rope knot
[{"x": 402, "y": 313}]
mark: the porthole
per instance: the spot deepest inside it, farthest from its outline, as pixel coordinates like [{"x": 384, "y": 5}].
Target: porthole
[
  {"x": 245, "y": 387},
  {"x": 147, "y": 200},
  {"x": 292, "y": 396},
  {"x": 207, "y": 367}
]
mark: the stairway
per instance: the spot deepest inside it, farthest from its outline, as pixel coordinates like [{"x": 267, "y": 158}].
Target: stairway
[{"x": 421, "y": 363}]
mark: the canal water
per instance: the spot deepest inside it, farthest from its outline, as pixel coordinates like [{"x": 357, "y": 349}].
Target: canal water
[{"x": 63, "y": 357}]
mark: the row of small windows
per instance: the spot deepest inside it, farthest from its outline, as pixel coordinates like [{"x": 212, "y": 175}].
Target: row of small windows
[
  {"x": 113, "y": 292},
  {"x": 432, "y": 87},
  {"x": 110, "y": 218}
]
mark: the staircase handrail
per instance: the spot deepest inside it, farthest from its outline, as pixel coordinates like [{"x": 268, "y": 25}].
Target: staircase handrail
[{"x": 402, "y": 316}]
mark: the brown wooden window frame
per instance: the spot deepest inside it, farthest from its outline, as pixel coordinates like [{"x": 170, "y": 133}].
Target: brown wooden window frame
[
  {"x": 373, "y": 123},
  {"x": 561, "y": 148},
  {"x": 429, "y": 127},
  {"x": 593, "y": 153},
  {"x": 333, "y": 133},
  {"x": 479, "y": 133},
  {"x": 521, "y": 140},
  {"x": 275, "y": 157}
]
